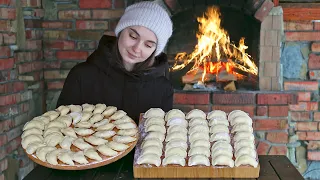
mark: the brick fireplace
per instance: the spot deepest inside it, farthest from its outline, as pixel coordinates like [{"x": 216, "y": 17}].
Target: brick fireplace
[{"x": 40, "y": 41}]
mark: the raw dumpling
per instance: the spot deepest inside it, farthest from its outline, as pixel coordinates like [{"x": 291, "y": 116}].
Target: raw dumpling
[
  {"x": 174, "y": 113},
  {"x": 101, "y": 123},
  {"x": 219, "y": 128},
  {"x": 241, "y": 120},
  {"x": 123, "y": 139},
  {"x": 199, "y": 128},
  {"x": 66, "y": 119},
  {"x": 196, "y": 113},
  {"x": 124, "y": 119},
  {"x": 75, "y": 108},
  {"x": 50, "y": 130},
  {"x": 92, "y": 154},
  {"x": 221, "y": 145},
  {"x": 66, "y": 142},
  {"x": 198, "y": 135},
  {"x": 118, "y": 114},
  {"x": 87, "y": 107},
  {"x": 176, "y": 150},
  {"x": 178, "y": 128},
  {"x": 34, "y": 124},
  {"x": 95, "y": 140},
  {"x": 236, "y": 113},
  {"x": 244, "y": 143},
  {"x": 177, "y": 143},
  {"x": 43, "y": 119},
  {"x": 243, "y": 135},
  {"x": 154, "y": 112},
  {"x": 177, "y": 121},
  {"x": 215, "y": 121},
  {"x": 245, "y": 150},
  {"x": 79, "y": 157},
  {"x": 149, "y": 159},
  {"x": 106, "y": 127},
  {"x": 51, "y": 114},
  {"x": 223, "y": 161},
  {"x": 174, "y": 159},
  {"x": 83, "y": 131},
  {"x": 198, "y": 159},
  {"x": 128, "y": 132},
  {"x": 109, "y": 111},
  {"x": 152, "y": 150},
  {"x": 246, "y": 160},
  {"x": 66, "y": 157},
  {"x": 83, "y": 124},
  {"x": 31, "y": 131},
  {"x": 117, "y": 146},
  {"x": 104, "y": 134},
  {"x": 216, "y": 114},
  {"x": 69, "y": 132},
  {"x": 43, "y": 151},
  {"x": 154, "y": 120},
  {"x": 157, "y": 128},
  {"x": 81, "y": 144},
  {"x": 242, "y": 127},
  {"x": 32, "y": 138},
  {"x": 96, "y": 118},
  {"x": 129, "y": 125},
  {"x": 76, "y": 117},
  {"x": 220, "y": 136},
  {"x": 53, "y": 139},
  {"x": 85, "y": 116},
  {"x": 63, "y": 110},
  {"x": 51, "y": 156},
  {"x": 221, "y": 151},
  {"x": 200, "y": 142},
  {"x": 176, "y": 136},
  {"x": 57, "y": 124},
  {"x": 32, "y": 147},
  {"x": 99, "y": 108},
  {"x": 152, "y": 142},
  {"x": 157, "y": 135},
  {"x": 199, "y": 150},
  {"x": 106, "y": 150},
  {"x": 198, "y": 121}
]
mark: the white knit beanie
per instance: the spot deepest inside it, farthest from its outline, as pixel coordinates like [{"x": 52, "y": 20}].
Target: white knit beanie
[{"x": 151, "y": 16}]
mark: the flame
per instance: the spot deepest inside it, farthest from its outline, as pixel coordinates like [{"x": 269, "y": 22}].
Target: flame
[{"x": 214, "y": 43}]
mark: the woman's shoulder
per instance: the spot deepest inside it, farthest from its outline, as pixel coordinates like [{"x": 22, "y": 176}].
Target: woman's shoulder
[{"x": 83, "y": 68}]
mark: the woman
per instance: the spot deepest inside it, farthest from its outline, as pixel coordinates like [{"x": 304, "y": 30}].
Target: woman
[{"x": 126, "y": 71}]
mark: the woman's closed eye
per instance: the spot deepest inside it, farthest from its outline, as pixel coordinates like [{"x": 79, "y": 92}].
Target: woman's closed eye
[{"x": 133, "y": 36}]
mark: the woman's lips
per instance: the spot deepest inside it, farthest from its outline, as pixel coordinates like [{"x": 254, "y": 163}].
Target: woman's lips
[{"x": 132, "y": 56}]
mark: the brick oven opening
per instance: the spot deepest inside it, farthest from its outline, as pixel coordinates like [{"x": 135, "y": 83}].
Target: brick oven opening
[{"x": 214, "y": 48}]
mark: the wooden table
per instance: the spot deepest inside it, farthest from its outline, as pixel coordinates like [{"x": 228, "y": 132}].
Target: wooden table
[{"x": 273, "y": 167}]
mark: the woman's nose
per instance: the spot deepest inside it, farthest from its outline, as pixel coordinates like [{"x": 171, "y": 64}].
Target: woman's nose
[{"x": 136, "y": 47}]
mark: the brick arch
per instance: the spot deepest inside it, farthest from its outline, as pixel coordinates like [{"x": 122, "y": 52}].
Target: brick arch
[{"x": 248, "y": 6}]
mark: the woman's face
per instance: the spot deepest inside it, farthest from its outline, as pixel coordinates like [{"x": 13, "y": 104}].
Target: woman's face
[{"x": 136, "y": 44}]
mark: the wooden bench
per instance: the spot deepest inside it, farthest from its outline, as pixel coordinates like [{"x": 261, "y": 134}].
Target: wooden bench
[{"x": 273, "y": 167}]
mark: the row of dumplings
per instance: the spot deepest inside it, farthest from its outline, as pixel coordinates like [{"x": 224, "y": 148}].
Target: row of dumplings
[
  {"x": 199, "y": 152},
  {"x": 52, "y": 154},
  {"x": 82, "y": 129}
]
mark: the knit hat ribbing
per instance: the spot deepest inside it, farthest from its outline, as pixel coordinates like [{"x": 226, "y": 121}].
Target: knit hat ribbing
[{"x": 151, "y": 16}]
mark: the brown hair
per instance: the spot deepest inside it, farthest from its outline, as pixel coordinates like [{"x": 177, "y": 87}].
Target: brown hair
[{"x": 138, "y": 67}]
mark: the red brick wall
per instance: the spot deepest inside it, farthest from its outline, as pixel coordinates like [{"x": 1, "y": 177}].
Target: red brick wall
[
  {"x": 71, "y": 36},
  {"x": 21, "y": 76},
  {"x": 306, "y": 113}
]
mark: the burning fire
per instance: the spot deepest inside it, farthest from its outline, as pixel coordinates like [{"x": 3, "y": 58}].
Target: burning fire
[{"x": 214, "y": 44}]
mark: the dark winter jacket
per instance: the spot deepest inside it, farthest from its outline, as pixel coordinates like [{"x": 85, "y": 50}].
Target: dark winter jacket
[{"x": 100, "y": 80}]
